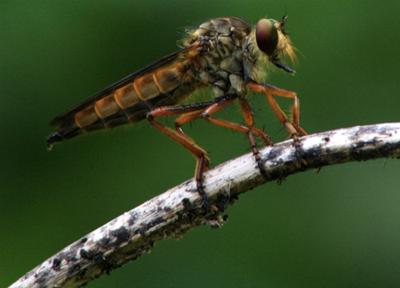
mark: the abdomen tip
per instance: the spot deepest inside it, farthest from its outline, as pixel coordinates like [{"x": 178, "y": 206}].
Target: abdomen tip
[{"x": 53, "y": 138}]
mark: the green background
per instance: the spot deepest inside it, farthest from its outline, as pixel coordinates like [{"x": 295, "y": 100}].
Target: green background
[{"x": 336, "y": 228}]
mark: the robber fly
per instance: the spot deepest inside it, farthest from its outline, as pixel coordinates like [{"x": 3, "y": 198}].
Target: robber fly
[{"x": 226, "y": 54}]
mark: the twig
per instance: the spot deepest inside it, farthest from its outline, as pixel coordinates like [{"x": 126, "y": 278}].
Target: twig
[{"x": 174, "y": 212}]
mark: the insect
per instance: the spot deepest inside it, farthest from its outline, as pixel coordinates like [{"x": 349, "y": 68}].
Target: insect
[{"x": 226, "y": 54}]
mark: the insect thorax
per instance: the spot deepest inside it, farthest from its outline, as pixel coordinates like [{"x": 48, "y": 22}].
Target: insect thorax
[{"x": 225, "y": 53}]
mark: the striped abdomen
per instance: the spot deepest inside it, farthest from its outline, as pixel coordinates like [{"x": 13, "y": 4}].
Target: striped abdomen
[{"x": 129, "y": 100}]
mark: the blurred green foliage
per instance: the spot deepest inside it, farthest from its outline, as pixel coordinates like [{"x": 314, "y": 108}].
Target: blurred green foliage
[{"x": 337, "y": 228}]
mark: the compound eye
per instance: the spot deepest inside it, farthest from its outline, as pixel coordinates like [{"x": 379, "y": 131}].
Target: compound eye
[{"x": 266, "y": 36}]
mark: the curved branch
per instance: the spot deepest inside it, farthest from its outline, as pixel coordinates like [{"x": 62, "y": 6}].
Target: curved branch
[{"x": 174, "y": 212}]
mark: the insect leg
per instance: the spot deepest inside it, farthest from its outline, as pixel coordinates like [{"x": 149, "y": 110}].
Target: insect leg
[
  {"x": 269, "y": 91},
  {"x": 215, "y": 107},
  {"x": 240, "y": 128},
  {"x": 202, "y": 160},
  {"x": 232, "y": 125},
  {"x": 187, "y": 117},
  {"x": 249, "y": 129},
  {"x": 248, "y": 117}
]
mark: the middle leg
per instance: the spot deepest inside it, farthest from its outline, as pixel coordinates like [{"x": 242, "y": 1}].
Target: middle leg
[
  {"x": 249, "y": 119},
  {"x": 206, "y": 115},
  {"x": 249, "y": 130}
]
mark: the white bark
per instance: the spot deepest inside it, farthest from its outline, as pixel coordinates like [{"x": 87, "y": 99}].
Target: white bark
[{"x": 174, "y": 212}]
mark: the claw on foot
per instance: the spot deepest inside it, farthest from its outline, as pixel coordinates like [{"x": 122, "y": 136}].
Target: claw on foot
[{"x": 204, "y": 198}]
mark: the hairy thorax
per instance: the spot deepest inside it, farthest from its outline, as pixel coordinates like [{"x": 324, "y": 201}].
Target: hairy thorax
[{"x": 225, "y": 54}]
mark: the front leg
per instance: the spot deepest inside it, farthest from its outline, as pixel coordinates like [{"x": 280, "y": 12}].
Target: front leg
[{"x": 270, "y": 91}]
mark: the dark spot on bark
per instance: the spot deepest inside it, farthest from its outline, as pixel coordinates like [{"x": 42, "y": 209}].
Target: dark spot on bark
[
  {"x": 81, "y": 274},
  {"x": 155, "y": 222},
  {"x": 73, "y": 269},
  {"x": 360, "y": 154},
  {"x": 167, "y": 209},
  {"x": 41, "y": 278},
  {"x": 83, "y": 240},
  {"x": 384, "y": 150},
  {"x": 186, "y": 203},
  {"x": 189, "y": 211},
  {"x": 327, "y": 139},
  {"x": 87, "y": 254},
  {"x": 274, "y": 153},
  {"x": 307, "y": 158},
  {"x": 98, "y": 257},
  {"x": 105, "y": 242},
  {"x": 132, "y": 219},
  {"x": 105, "y": 265},
  {"x": 56, "y": 264},
  {"x": 121, "y": 234},
  {"x": 313, "y": 153},
  {"x": 278, "y": 175},
  {"x": 141, "y": 231},
  {"x": 223, "y": 200},
  {"x": 68, "y": 256}
]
